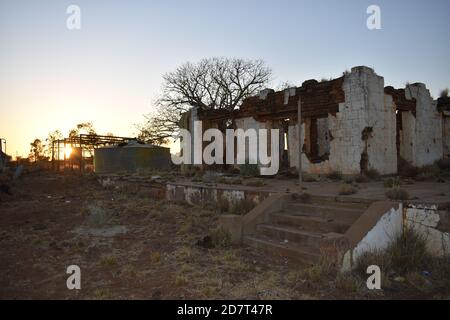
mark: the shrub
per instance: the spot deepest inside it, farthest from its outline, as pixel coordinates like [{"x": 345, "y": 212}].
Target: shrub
[
  {"x": 397, "y": 194},
  {"x": 406, "y": 253},
  {"x": 392, "y": 182},
  {"x": 242, "y": 206},
  {"x": 97, "y": 215},
  {"x": 221, "y": 237},
  {"x": 347, "y": 189}
]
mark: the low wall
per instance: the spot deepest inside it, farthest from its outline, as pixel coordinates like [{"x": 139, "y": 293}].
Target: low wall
[
  {"x": 383, "y": 221},
  {"x": 431, "y": 223},
  {"x": 197, "y": 194}
]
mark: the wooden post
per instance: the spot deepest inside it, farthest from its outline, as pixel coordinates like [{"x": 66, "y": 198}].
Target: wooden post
[{"x": 300, "y": 145}]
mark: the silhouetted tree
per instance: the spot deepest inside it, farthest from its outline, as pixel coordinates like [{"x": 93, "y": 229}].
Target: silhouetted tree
[
  {"x": 36, "y": 151},
  {"x": 214, "y": 83}
]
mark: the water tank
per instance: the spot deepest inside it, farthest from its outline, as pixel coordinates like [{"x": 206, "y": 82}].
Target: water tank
[{"x": 130, "y": 157}]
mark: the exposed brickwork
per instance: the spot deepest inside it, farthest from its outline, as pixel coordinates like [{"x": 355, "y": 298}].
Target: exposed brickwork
[{"x": 400, "y": 100}]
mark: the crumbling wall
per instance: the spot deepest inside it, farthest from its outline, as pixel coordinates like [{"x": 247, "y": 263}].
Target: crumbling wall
[
  {"x": 381, "y": 143},
  {"x": 421, "y": 137},
  {"x": 307, "y": 166},
  {"x": 363, "y": 131},
  {"x": 323, "y": 138},
  {"x": 360, "y": 136}
]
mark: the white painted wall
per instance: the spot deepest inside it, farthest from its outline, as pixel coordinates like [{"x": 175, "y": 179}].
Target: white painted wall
[
  {"x": 378, "y": 238},
  {"x": 421, "y": 142},
  {"x": 424, "y": 219}
]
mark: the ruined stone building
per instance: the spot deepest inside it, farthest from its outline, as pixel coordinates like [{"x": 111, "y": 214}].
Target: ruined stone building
[{"x": 350, "y": 124}]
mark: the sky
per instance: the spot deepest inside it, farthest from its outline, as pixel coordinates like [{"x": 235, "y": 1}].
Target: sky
[{"x": 110, "y": 70}]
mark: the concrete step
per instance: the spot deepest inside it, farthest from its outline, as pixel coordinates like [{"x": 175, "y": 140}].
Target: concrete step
[
  {"x": 336, "y": 213},
  {"x": 311, "y": 223},
  {"x": 281, "y": 234},
  {"x": 291, "y": 251},
  {"x": 342, "y": 201}
]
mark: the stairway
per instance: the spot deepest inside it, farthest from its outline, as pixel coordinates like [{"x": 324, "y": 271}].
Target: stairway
[{"x": 296, "y": 231}]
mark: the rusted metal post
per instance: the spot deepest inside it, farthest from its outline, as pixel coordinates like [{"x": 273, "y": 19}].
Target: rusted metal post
[
  {"x": 53, "y": 155},
  {"x": 300, "y": 145},
  {"x": 64, "y": 151}
]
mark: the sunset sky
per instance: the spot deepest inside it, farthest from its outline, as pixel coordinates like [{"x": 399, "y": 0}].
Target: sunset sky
[{"x": 110, "y": 70}]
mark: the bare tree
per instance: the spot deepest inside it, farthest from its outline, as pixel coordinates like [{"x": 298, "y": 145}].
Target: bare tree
[{"x": 214, "y": 83}]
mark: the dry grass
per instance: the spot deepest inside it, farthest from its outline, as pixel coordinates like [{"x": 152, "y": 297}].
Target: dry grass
[
  {"x": 109, "y": 260},
  {"x": 221, "y": 238},
  {"x": 98, "y": 216},
  {"x": 102, "y": 294}
]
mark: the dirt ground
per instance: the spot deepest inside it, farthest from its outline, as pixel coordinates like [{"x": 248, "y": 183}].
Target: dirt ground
[{"x": 130, "y": 246}]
